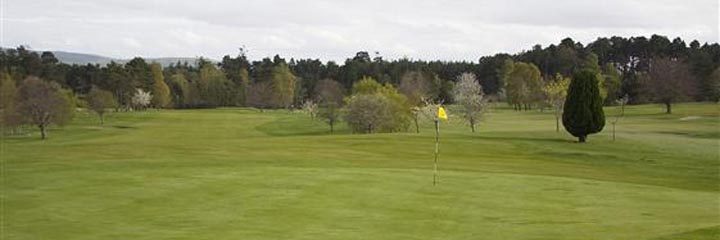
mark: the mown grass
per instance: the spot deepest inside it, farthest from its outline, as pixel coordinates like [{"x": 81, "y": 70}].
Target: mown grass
[{"x": 243, "y": 174}]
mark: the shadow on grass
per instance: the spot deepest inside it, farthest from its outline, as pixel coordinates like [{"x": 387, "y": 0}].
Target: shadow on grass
[
  {"x": 704, "y": 135},
  {"x": 528, "y": 139},
  {"x": 286, "y": 127},
  {"x": 123, "y": 127}
]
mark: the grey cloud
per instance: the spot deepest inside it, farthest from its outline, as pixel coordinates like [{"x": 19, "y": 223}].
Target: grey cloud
[{"x": 334, "y": 30}]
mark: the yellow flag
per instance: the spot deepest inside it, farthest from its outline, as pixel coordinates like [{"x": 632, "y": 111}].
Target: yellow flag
[{"x": 441, "y": 113}]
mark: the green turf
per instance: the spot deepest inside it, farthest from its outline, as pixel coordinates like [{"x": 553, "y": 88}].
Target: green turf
[{"x": 242, "y": 174}]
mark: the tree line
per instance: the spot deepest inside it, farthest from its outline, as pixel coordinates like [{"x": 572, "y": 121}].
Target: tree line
[{"x": 638, "y": 69}]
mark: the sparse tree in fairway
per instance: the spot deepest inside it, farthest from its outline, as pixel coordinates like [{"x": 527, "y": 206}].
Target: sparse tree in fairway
[
  {"x": 366, "y": 113},
  {"x": 416, "y": 88},
  {"x": 42, "y": 103},
  {"x": 555, "y": 93},
  {"x": 385, "y": 100},
  {"x": 141, "y": 99},
  {"x": 330, "y": 97},
  {"x": 583, "y": 113},
  {"x": 468, "y": 94},
  {"x": 99, "y": 101},
  {"x": 621, "y": 102},
  {"x": 311, "y": 108},
  {"x": 668, "y": 81}
]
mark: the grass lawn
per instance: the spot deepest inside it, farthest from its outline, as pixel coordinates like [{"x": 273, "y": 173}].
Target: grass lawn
[{"x": 242, "y": 174}]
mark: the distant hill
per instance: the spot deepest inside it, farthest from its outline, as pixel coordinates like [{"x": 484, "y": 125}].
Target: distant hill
[{"x": 84, "y": 58}]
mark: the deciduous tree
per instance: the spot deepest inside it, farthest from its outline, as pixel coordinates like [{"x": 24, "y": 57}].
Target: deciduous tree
[
  {"x": 555, "y": 93},
  {"x": 283, "y": 86},
  {"x": 668, "y": 81},
  {"x": 42, "y": 103},
  {"x": 99, "y": 101},
  {"x": 160, "y": 90},
  {"x": 330, "y": 97},
  {"x": 141, "y": 99},
  {"x": 416, "y": 87},
  {"x": 469, "y": 95}
]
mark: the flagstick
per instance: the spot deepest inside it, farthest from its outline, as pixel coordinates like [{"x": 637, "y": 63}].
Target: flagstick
[{"x": 437, "y": 149}]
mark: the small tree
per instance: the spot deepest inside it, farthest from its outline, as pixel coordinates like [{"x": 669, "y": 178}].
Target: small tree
[
  {"x": 160, "y": 91},
  {"x": 416, "y": 88},
  {"x": 99, "y": 101},
  {"x": 366, "y": 113},
  {"x": 620, "y": 102},
  {"x": 669, "y": 81},
  {"x": 42, "y": 103},
  {"x": 555, "y": 93},
  {"x": 141, "y": 99},
  {"x": 311, "y": 108},
  {"x": 583, "y": 113},
  {"x": 283, "y": 86},
  {"x": 330, "y": 98},
  {"x": 468, "y": 94}
]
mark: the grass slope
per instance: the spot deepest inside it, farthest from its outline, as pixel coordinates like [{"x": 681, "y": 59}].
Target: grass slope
[{"x": 241, "y": 174}]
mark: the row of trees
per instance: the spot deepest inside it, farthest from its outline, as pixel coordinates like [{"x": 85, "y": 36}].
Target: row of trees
[
  {"x": 644, "y": 70},
  {"x": 374, "y": 107},
  {"x": 623, "y": 63}
]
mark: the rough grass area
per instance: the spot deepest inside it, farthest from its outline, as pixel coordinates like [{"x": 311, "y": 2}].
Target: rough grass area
[{"x": 245, "y": 174}]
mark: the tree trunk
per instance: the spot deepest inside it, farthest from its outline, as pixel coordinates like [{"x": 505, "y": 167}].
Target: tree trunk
[
  {"x": 668, "y": 108},
  {"x": 557, "y": 123},
  {"x": 417, "y": 126},
  {"x": 472, "y": 125},
  {"x": 43, "y": 132},
  {"x": 102, "y": 120},
  {"x": 582, "y": 138},
  {"x": 331, "y": 127}
]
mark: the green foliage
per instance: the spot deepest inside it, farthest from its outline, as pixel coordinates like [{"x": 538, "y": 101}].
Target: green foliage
[
  {"x": 42, "y": 103},
  {"x": 611, "y": 84},
  {"x": 368, "y": 113},
  {"x": 213, "y": 88},
  {"x": 161, "y": 91},
  {"x": 366, "y": 85},
  {"x": 377, "y": 108},
  {"x": 181, "y": 92},
  {"x": 555, "y": 94},
  {"x": 283, "y": 86},
  {"x": 99, "y": 101},
  {"x": 523, "y": 85},
  {"x": 583, "y": 113},
  {"x": 9, "y": 117}
]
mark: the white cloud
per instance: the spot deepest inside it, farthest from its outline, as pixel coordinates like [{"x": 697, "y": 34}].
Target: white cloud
[{"x": 335, "y": 30}]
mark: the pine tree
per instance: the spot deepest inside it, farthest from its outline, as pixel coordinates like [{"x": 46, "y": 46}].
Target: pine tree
[{"x": 583, "y": 113}]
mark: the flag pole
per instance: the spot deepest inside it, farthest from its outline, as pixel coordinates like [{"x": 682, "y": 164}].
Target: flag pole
[{"x": 437, "y": 151}]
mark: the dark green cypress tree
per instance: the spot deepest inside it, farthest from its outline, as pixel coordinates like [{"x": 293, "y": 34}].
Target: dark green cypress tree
[{"x": 583, "y": 113}]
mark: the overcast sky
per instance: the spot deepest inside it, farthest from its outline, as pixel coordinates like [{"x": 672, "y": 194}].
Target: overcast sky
[{"x": 335, "y": 29}]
